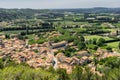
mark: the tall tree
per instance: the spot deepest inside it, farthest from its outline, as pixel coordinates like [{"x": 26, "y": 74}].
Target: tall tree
[
  {"x": 119, "y": 45},
  {"x": 77, "y": 73}
]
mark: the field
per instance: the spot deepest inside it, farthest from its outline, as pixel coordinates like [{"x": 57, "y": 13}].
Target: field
[
  {"x": 113, "y": 44},
  {"x": 97, "y": 37},
  {"x": 70, "y": 23}
]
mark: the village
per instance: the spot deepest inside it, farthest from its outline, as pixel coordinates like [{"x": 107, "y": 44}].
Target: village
[
  {"x": 43, "y": 55},
  {"x": 60, "y": 44}
]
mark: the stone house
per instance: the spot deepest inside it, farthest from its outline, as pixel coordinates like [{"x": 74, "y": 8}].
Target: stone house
[{"x": 59, "y": 45}]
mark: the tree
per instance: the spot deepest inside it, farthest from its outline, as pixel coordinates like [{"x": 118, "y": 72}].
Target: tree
[
  {"x": 101, "y": 42},
  {"x": 7, "y": 36},
  {"x": 88, "y": 74},
  {"x": 111, "y": 62},
  {"x": 27, "y": 31},
  {"x": 77, "y": 73},
  {"x": 119, "y": 45},
  {"x": 109, "y": 49},
  {"x": 20, "y": 72},
  {"x": 94, "y": 41},
  {"x": 81, "y": 45},
  {"x": 81, "y": 39},
  {"x": 80, "y": 42},
  {"x": 62, "y": 74},
  {"x": 1, "y": 64}
]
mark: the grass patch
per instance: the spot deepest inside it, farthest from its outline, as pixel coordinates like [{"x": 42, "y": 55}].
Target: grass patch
[
  {"x": 113, "y": 44},
  {"x": 97, "y": 37}
]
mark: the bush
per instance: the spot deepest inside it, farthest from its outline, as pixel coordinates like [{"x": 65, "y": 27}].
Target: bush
[
  {"x": 93, "y": 47},
  {"x": 77, "y": 73},
  {"x": 40, "y": 41},
  {"x": 62, "y": 74},
  {"x": 101, "y": 42},
  {"x": 109, "y": 49},
  {"x": 7, "y": 36},
  {"x": 112, "y": 62},
  {"x": 20, "y": 72},
  {"x": 32, "y": 41}
]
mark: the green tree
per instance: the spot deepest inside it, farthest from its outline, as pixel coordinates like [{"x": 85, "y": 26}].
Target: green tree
[
  {"x": 62, "y": 74},
  {"x": 94, "y": 41},
  {"x": 101, "y": 42},
  {"x": 77, "y": 73},
  {"x": 7, "y": 36},
  {"x": 119, "y": 45},
  {"x": 81, "y": 45},
  {"x": 109, "y": 49},
  {"x": 87, "y": 74},
  {"x": 80, "y": 42},
  {"x": 1, "y": 64}
]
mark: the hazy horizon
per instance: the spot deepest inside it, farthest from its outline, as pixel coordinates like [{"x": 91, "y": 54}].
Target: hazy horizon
[{"x": 58, "y": 4}]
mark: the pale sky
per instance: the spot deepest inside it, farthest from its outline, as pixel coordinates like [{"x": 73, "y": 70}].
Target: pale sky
[{"x": 48, "y": 4}]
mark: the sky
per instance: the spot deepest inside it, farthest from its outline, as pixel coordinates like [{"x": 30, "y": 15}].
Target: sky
[{"x": 57, "y": 4}]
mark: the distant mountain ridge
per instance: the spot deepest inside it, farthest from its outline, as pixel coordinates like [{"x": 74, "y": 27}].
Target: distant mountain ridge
[
  {"x": 11, "y": 14},
  {"x": 81, "y": 10},
  {"x": 91, "y": 10}
]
